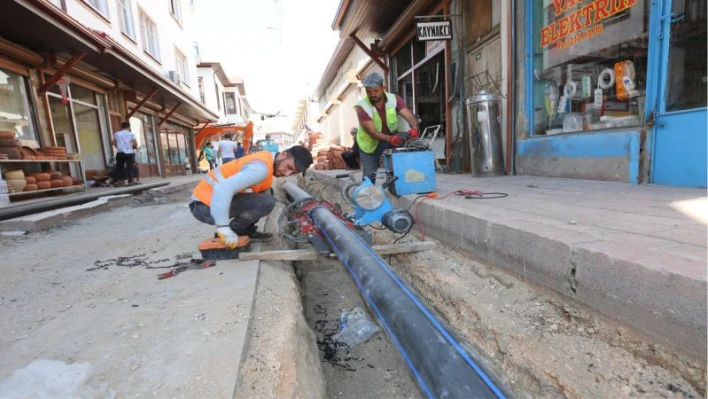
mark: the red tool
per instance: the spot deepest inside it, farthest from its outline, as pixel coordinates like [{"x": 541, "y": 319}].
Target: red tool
[{"x": 193, "y": 264}]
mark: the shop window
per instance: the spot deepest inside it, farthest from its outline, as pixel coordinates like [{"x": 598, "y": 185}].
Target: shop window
[
  {"x": 403, "y": 59},
  {"x": 589, "y": 65},
  {"x": 143, "y": 127},
  {"x": 125, "y": 14},
  {"x": 15, "y": 110},
  {"x": 686, "y": 87},
  {"x": 151, "y": 42},
  {"x": 80, "y": 93}
]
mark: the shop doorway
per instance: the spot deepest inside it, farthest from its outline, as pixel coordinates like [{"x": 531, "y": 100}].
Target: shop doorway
[{"x": 680, "y": 121}]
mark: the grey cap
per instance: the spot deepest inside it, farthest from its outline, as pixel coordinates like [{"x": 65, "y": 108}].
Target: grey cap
[{"x": 374, "y": 79}]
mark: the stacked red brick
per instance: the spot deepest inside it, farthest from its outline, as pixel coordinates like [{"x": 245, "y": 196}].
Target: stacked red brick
[{"x": 330, "y": 158}]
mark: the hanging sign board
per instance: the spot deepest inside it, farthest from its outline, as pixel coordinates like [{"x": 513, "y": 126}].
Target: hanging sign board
[{"x": 441, "y": 30}]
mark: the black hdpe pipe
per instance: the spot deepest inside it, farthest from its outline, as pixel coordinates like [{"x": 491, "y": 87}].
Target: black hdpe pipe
[
  {"x": 442, "y": 368},
  {"x": 35, "y": 207}
]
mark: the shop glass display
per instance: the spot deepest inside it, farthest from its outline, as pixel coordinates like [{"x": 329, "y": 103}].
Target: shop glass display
[
  {"x": 15, "y": 112},
  {"x": 688, "y": 74},
  {"x": 589, "y": 64}
]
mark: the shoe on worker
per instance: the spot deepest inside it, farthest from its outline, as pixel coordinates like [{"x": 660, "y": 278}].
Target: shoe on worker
[{"x": 258, "y": 236}]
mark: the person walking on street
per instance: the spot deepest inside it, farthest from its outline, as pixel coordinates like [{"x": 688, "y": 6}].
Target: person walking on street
[
  {"x": 226, "y": 149},
  {"x": 210, "y": 155},
  {"x": 351, "y": 157},
  {"x": 239, "y": 150},
  {"x": 125, "y": 142},
  {"x": 237, "y": 194},
  {"x": 383, "y": 119}
]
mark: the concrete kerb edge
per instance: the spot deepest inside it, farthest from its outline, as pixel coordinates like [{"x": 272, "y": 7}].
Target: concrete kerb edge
[
  {"x": 52, "y": 218},
  {"x": 564, "y": 262},
  {"x": 255, "y": 247}
]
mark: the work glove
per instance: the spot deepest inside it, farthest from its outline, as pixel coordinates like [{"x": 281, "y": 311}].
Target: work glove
[
  {"x": 396, "y": 141},
  {"x": 228, "y": 237},
  {"x": 413, "y": 134}
]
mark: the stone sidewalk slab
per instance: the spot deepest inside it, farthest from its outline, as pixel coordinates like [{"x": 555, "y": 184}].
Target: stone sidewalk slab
[{"x": 634, "y": 253}]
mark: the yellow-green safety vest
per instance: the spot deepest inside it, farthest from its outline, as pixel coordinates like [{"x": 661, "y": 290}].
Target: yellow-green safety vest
[{"x": 394, "y": 122}]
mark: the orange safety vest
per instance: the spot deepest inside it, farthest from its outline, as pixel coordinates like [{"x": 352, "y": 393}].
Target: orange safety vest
[{"x": 205, "y": 188}]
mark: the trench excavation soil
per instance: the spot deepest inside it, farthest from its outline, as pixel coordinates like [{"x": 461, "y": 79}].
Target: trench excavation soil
[
  {"x": 373, "y": 369},
  {"x": 539, "y": 343}
]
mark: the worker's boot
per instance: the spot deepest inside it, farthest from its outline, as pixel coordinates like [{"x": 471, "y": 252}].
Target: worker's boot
[{"x": 258, "y": 236}]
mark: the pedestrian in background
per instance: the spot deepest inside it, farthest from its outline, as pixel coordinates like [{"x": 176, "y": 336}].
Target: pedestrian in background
[
  {"x": 210, "y": 155},
  {"x": 125, "y": 142},
  {"x": 239, "y": 150},
  {"x": 351, "y": 157},
  {"x": 383, "y": 119},
  {"x": 226, "y": 149}
]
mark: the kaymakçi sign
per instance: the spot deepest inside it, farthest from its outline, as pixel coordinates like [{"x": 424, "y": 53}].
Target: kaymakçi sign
[
  {"x": 583, "y": 23},
  {"x": 441, "y": 30}
]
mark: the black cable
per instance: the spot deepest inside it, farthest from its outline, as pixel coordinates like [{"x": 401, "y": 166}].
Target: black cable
[{"x": 487, "y": 196}]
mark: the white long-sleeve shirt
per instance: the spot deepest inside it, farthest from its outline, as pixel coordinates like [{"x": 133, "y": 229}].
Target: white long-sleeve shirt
[{"x": 250, "y": 174}]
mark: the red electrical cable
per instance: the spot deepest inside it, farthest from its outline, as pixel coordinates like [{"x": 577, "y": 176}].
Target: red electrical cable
[{"x": 468, "y": 194}]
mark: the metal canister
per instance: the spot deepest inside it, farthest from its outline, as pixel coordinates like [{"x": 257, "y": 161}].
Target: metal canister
[{"x": 484, "y": 124}]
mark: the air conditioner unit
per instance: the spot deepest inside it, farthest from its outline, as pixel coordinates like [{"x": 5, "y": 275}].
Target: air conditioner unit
[{"x": 174, "y": 76}]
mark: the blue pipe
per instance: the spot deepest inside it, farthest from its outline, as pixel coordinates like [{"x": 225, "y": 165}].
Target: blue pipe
[{"x": 440, "y": 365}]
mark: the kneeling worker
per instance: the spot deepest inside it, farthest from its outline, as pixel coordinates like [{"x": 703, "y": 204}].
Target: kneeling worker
[{"x": 220, "y": 198}]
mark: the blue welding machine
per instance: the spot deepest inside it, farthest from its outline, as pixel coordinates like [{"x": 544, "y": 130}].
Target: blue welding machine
[{"x": 413, "y": 170}]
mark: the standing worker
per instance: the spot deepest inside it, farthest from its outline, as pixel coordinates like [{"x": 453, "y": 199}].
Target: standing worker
[
  {"x": 226, "y": 149},
  {"x": 221, "y": 199},
  {"x": 382, "y": 118},
  {"x": 125, "y": 142},
  {"x": 210, "y": 155},
  {"x": 239, "y": 150}
]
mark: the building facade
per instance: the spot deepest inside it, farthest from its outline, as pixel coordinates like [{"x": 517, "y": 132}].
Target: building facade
[{"x": 108, "y": 61}]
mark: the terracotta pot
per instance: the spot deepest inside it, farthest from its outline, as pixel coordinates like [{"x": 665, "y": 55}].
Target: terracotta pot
[
  {"x": 31, "y": 187},
  {"x": 9, "y": 143},
  {"x": 43, "y": 185},
  {"x": 68, "y": 181},
  {"x": 56, "y": 183},
  {"x": 30, "y": 158},
  {"x": 56, "y": 175},
  {"x": 27, "y": 152},
  {"x": 17, "y": 184},
  {"x": 7, "y": 135},
  {"x": 30, "y": 180},
  {"x": 39, "y": 152},
  {"x": 12, "y": 152},
  {"x": 14, "y": 174},
  {"x": 55, "y": 148},
  {"x": 42, "y": 176}
]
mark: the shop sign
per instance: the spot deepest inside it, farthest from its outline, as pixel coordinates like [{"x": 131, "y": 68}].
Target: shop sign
[
  {"x": 441, "y": 30},
  {"x": 583, "y": 23}
]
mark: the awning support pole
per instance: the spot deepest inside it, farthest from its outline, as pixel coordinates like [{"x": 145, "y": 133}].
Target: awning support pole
[
  {"x": 61, "y": 72},
  {"x": 140, "y": 104},
  {"x": 368, "y": 52},
  {"x": 163, "y": 120}
]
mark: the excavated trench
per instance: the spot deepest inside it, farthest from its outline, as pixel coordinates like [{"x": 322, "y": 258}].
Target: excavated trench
[
  {"x": 373, "y": 369},
  {"x": 538, "y": 343}
]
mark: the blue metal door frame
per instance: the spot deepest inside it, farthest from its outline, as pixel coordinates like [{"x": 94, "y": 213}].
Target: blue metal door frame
[{"x": 678, "y": 138}]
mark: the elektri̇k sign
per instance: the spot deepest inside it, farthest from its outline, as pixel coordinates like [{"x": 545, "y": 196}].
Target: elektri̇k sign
[{"x": 441, "y": 30}]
